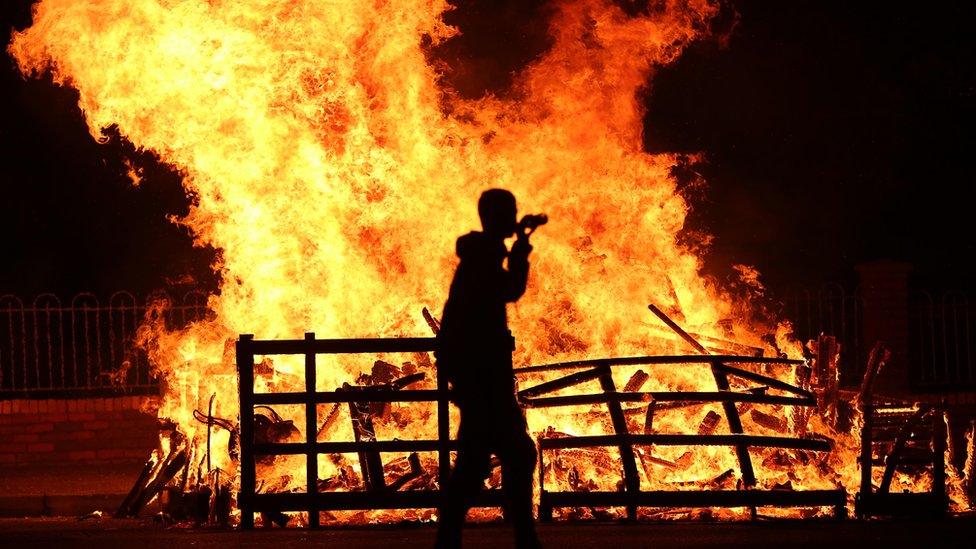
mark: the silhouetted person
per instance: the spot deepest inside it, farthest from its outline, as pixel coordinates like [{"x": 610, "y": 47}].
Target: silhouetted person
[{"x": 474, "y": 347}]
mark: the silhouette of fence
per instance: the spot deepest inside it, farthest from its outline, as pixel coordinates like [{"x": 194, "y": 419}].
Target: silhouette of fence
[
  {"x": 50, "y": 347},
  {"x": 942, "y": 341},
  {"x": 376, "y": 494},
  {"x": 833, "y": 310},
  {"x": 83, "y": 346},
  {"x": 940, "y": 328}
]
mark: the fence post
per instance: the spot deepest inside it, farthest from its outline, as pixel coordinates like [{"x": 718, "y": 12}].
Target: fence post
[
  {"x": 311, "y": 430},
  {"x": 443, "y": 429},
  {"x": 245, "y": 370}
]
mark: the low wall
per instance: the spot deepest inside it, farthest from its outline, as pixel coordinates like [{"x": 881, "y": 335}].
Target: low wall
[{"x": 77, "y": 431}]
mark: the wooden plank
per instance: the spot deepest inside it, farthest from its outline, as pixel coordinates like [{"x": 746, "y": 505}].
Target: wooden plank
[
  {"x": 350, "y": 447},
  {"x": 494, "y": 498},
  {"x": 311, "y": 430},
  {"x": 651, "y": 360},
  {"x": 619, "y": 422},
  {"x": 562, "y": 383},
  {"x": 245, "y": 373},
  {"x": 367, "y": 394},
  {"x": 713, "y": 498},
  {"x": 443, "y": 429},
  {"x": 343, "y": 346},
  {"x": 679, "y": 330},
  {"x": 328, "y": 501},
  {"x": 286, "y": 448},
  {"x": 666, "y": 396},
  {"x": 759, "y": 378},
  {"x": 812, "y": 444},
  {"x": 735, "y": 426}
]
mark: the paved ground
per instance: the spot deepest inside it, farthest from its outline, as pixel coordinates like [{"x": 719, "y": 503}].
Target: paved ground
[
  {"x": 66, "y": 490},
  {"x": 69, "y": 479},
  {"x": 110, "y": 533}
]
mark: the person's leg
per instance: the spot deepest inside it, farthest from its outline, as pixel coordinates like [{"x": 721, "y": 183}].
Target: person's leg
[
  {"x": 470, "y": 469},
  {"x": 518, "y": 457}
]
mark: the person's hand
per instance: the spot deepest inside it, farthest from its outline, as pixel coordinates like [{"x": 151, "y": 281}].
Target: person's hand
[{"x": 521, "y": 245}]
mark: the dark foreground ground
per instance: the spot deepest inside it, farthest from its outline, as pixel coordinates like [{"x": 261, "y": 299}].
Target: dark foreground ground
[{"x": 109, "y": 533}]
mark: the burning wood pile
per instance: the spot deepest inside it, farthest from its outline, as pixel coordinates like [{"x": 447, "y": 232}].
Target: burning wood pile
[
  {"x": 601, "y": 471},
  {"x": 624, "y": 458}
]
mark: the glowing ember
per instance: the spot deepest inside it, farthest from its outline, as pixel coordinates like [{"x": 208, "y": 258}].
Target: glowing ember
[{"x": 333, "y": 174}]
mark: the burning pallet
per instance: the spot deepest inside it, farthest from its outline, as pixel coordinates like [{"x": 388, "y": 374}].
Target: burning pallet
[
  {"x": 898, "y": 435},
  {"x": 631, "y": 496},
  {"x": 377, "y": 494},
  {"x": 633, "y": 448}
]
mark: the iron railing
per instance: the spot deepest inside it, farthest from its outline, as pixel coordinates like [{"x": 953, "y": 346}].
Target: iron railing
[
  {"x": 942, "y": 341},
  {"x": 49, "y": 347},
  {"x": 85, "y": 345},
  {"x": 832, "y": 310},
  {"x": 940, "y": 347}
]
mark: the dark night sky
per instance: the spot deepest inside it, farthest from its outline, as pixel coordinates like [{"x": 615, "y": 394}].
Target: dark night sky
[{"x": 831, "y": 133}]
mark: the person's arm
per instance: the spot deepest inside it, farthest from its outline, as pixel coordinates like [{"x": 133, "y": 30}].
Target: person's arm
[{"x": 518, "y": 269}]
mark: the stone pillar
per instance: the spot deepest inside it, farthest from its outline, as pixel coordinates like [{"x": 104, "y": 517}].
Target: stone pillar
[{"x": 884, "y": 295}]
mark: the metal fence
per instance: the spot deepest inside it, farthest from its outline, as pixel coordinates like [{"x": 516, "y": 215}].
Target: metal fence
[
  {"x": 942, "y": 341},
  {"x": 832, "y": 310},
  {"x": 940, "y": 332},
  {"x": 82, "y": 346},
  {"x": 85, "y": 345}
]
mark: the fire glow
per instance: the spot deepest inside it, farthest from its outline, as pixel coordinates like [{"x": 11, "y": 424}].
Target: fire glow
[{"x": 333, "y": 172}]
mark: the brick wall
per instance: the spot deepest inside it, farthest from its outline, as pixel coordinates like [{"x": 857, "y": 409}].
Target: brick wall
[{"x": 89, "y": 430}]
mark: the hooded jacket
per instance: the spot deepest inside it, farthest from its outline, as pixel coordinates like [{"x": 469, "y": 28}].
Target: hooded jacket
[{"x": 474, "y": 325}]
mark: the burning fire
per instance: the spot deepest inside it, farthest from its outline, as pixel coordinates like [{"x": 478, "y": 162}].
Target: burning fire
[{"x": 333, "y": 173}]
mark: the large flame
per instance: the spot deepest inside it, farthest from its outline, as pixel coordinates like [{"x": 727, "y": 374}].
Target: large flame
[{"x": 333, "y": 173}]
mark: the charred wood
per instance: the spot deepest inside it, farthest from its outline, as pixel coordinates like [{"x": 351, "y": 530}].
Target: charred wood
[
  {"x": 144, "y": 477},
  {"x": 432, "y": 322},
  {"x": 709, "y": 423},
  {"x": 561, "y": 383},
  {"x": 636, "y": 381},
  {"x": 876, "y": 361},
  {"x": 170, "y": 467},
  {"x": 969, "y": 469},
  {"x": 329, "y": 420},
  {"x": 769, "y": 421}
]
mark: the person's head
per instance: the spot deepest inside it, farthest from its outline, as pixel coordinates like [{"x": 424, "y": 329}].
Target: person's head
[{"x": 496, "y": 207}]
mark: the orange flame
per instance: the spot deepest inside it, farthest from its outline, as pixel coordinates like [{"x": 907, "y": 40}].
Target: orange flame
[{"x": 333, "y": 174}]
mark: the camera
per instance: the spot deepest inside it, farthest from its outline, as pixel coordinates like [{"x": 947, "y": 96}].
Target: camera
[{"x": 532, "y": 221}]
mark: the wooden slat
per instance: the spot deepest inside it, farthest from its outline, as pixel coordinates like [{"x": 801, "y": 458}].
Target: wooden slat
[
  {"x": 245, "y": 372},
  {"x": 759, "y": 378},
  {"x": 343, "y": 346},
  {"x": 562, "y": 383},
  {"x": 735, "y": 427},
  {"x": 812, "y": 444},
  {"x": 366, "y": 394},
  {"x": 715, "y": 498},
  {"x": 348, "y": 447},
  {"x": 619, "y": 422},
  {"x": 667, "y": 396},
  {"x": 651, "y": 360},
  {"x": 311, "y": 431},
  {"x": 328, "y": 501},
  {"x": 443, "y": 430}
]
